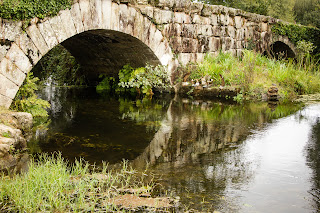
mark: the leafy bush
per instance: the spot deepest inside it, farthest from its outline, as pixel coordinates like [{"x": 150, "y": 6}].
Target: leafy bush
[
  {"x": 27, "y": 9},
  {"x": 144, "y": 79},
  {"x": 26, "y": 99}
]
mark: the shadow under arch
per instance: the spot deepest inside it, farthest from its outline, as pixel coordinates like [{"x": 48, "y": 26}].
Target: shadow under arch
[
  {"x": 107, "y": 51},
  {"x": 280, "y": 50}
]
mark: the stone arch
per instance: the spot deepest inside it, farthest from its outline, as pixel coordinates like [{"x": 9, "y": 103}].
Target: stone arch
[
  {"x": 281, "y": 47},
  {"x": 85, "y": 16}
]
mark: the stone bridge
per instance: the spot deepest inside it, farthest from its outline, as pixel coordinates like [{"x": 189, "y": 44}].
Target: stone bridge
[{"x": 104, "y": 35}]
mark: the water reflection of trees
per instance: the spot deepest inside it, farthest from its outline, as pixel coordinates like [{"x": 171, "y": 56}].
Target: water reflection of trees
[{"x": 313, "y": 159}]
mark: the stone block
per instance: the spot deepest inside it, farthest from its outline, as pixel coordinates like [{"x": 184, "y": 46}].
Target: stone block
[
  {"x": 17, "y": 56},
  {"x": 145, "y": 30},
  {"x": 214, "y": 44},
  {"x": 239, "y": 52},
  {"x": 96, "y": 14},
  {"x": 3, "y": 51},
  {"x": 162, "y": 16},
  {"x": 207, "y": 10},
  {"x": 216, "y": 31},
  {"x": 184, "y": 58},
  {"x": 5, "y": 101},
  {"x": 214, "y": 19},
  {"x": 37, "y": 39},
  {"x": 29, "y": 49},
  {"x": 264, "y": 27},
  {"x": 239, "y": 45},
  {"x": 205, "y": 30},
  {"x": 240, "y": 34},
  {"x": 182, "y": 18},
  {"x": 224, "y": 19},
  {"x": 48, "y": 34},
  {"x": 231, "y": 31},
  {"x": 58, "y": 28},
  {"x": 200, "y": 20},
  {"x": 7, "y": 87},
  {"x": 12, "y": 72},
  {"x": 67, "y": 22},
  {"x": 181, "y": 5},
  {"x": 238, "y": 21},
  {"x": 85, "y": 11},
  {"x": 156, "y": 40},
  {"x": 76, "y": 16},
  {"x": 115, "y": 17},
  {"x": 138, "y": 26},
  {"x": 123, "y": 15},
  {"x": 189, "y": 30},
  {"x": 11, "y": 29},
  {"x": 196, "y": 8},
  {"x": 147, "y": 10}
]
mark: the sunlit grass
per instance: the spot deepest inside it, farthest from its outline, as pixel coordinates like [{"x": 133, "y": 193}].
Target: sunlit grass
[
  {"x": 255, "y": 73},
  {"x": 51, "y": 185}
]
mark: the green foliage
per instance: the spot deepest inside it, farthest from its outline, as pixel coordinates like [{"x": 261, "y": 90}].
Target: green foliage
[
  {"x": 26, "y": 99},
  {"x": 27, "y": 9},
  {"x": 298, "y": 33},
  {"x": 144, "y": 79},
  {"x": 53, "y": 185},
  {"x": 255, "y": 73},
  {"x": 108, "y": 83},
  {"x": 60, "y": 67},
  {"x": 6, "y": 134},
  {"x": 307, "y": 12}
]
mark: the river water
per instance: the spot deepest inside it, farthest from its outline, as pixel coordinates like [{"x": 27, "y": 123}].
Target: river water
[{"x": 212, "y": 155}]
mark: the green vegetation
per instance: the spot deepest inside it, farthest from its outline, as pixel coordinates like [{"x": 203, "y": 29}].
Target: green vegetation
[
  {"x": 142, "y": 80},
  {"x": 255, "y": 73},
  {"x": 51, "y": 185},
  {"x": 28, "y": 9},
  {"x": 60, "y": 67},
  {"x": 6, "y": 134},
  {"x": 27, "y": 100},
  {"x": 298, "y": 33}
]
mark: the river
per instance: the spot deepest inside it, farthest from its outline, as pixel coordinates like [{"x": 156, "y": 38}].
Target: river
[{"x": 212, "y": 155}]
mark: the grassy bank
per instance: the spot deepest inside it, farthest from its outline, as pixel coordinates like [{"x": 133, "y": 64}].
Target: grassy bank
[
  {"x": 255, "y": 73},
  {"x": 51, "y": 185}
]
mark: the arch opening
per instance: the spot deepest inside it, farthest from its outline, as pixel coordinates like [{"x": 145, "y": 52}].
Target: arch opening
[
  {"x": 280, "y": 50},
  {"x": 106, "y": 52}
]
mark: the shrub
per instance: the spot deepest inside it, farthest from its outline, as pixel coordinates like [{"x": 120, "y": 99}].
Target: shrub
[
  {"x": 144, "y": 79},
  {"x": 26, "y": 99}
]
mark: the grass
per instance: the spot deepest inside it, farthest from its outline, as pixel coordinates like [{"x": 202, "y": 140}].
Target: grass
[
  {"x": 255, "y": 73},
  {"x": 51, "y": 185}
]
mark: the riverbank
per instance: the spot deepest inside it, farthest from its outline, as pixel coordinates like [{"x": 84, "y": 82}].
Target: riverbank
[
  {"x": 52, "y": 184},
  {"x": 249, "y": 77}
]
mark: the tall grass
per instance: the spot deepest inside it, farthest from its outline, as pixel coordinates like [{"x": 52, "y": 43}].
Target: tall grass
[
  {"x": 255, "y": 73},
  {"x": 51, "y": 185}
]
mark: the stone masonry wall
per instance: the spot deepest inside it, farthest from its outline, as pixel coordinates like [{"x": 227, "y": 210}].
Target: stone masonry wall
[{"x": 176, "y": 31}]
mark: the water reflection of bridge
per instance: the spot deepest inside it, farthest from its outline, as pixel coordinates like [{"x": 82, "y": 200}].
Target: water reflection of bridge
[{"x": 192, "y": 129}]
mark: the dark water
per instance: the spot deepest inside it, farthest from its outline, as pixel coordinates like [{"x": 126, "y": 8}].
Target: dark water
[{"x": 215, "y": 156}]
